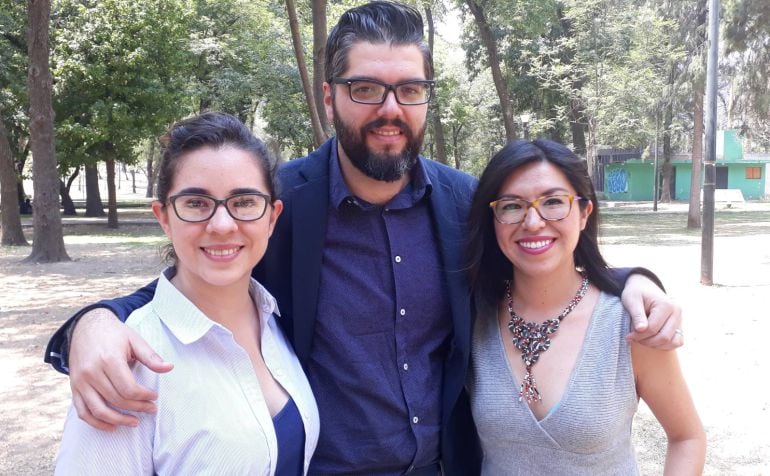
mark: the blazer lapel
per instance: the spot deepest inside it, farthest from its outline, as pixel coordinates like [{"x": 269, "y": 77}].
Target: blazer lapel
[
  {"x": 450, "y": 228},
  {"x": 308, "y": 234},
  {"x": 448, "y": 214}
]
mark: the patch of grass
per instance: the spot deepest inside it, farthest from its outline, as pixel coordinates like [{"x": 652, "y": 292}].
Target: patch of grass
[{"x": 661, "y": 228}]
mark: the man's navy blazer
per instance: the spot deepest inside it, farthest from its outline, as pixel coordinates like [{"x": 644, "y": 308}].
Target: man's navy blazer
[{"x": 291, "y": 271}]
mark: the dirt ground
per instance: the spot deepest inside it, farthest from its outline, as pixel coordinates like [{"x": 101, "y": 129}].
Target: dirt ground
[{"x": 726, "y": 359}]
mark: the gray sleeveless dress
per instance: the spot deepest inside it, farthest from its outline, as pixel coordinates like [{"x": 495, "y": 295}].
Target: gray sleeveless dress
[{"x": 587, "y": 433}]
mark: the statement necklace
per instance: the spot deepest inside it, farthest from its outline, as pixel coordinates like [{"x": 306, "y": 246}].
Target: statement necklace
[{"x": 531, "y": 339}]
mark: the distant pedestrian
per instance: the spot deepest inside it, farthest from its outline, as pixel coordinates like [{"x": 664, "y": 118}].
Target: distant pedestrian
[{"x": 25, "y": 207}]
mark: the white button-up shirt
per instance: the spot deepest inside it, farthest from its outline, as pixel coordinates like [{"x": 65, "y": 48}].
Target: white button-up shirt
[{"x": 212, "y": 417}]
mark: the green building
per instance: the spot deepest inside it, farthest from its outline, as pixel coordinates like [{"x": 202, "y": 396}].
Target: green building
[{"x": 632, "y": 180}]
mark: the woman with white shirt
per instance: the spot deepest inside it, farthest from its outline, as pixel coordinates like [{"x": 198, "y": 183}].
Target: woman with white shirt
[{"x": 237, "y": 400}]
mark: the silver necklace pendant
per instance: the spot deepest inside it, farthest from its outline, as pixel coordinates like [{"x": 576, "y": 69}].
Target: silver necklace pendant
[{"x": 532, "y": 339}]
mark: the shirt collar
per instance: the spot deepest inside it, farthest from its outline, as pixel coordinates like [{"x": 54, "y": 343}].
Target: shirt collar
[
  {"x": 186, "y": 322},
  {"x": 419, "y": 187}
]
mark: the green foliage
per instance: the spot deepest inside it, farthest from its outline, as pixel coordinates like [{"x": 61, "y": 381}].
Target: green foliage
[
  {"x": 13, "y": 74},
  {"x": 124, "y": 70},
  {"x": 625, "y": 58},
  {"x": 470, "y": 110},
  {"x": 747, "y": 37},
  {"x": 244, "y": 64},
  {"x": 117, "y": 65}
]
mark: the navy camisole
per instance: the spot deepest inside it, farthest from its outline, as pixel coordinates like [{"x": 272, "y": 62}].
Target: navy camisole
[{"x": 290, "y": 433}]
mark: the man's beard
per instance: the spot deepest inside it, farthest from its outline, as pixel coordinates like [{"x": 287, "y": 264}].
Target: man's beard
[{"x": 384, "y": 166}]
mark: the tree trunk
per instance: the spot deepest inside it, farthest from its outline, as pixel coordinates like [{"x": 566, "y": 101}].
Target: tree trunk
[
  {"x": 68, "y": 206},
  {"x": 296, "y": 39},
  {"x": 438, "y": 128},
  {"x": 151, "y": 169},
  {"x": 94, "y": 207},
  {"x": 577, "y": 123},
  {"x": 48, "y": 236},
  {"x": 112, "y": 202},
  {"x": 64, "y": 191},
  {"x": 667, "y": 170},
  {"x": 577, "y": 127},
  {"x": 455, "y": 139},
  {"x": 318, "y": 9},
  {"x": 591, "y": 153},
  {"x": 12, "y": 233},
  {"x": 148, "y": 194},
  {"x": 20, "y": 162},
  {"x": 693, "y": 212},
  {"x": 494, "y": 65}
]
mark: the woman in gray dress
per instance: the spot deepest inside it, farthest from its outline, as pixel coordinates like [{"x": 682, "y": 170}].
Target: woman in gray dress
[{"x": 554, "y": 384}]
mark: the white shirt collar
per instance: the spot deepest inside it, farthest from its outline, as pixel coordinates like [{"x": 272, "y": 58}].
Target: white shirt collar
[{"x": 186, "y": 322}]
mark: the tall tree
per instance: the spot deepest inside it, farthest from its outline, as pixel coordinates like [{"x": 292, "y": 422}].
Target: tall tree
[
  {"x": 14, "y": 101},
  {"x": 318, "y": 8},
  {"x": 118, "y": 82},
  {"x": 576, "y": 106},
  {"x": 696, "y": 181},
  {"x": 696, "y": 41},
  {"x": 68, "y": 206},
  {"x": 747, "y": 37},
  {"x": 94, "y": 207},
  {"x": 438, "y": 128},
  {"x": 48, "y": 238},
  {"x": 10, "y": 227},
  {"x": 299, "y": 52},
  {"x": 667, "y": 171},
  {"x": 232, "y": 43},
  {"x": 501, "y": 85}
]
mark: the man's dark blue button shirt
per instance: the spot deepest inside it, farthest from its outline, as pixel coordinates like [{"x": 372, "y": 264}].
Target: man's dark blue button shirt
[{"x": 381, "y": 333}]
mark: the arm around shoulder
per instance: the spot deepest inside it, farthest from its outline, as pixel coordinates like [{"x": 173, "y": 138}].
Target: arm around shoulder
[{"x": 57, "y": 350}]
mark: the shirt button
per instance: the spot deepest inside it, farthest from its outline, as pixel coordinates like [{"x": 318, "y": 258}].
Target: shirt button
[
  {"x": 406, "y": 366},
  {"x": 402, "y": 312},
  {"x": 398, "y": 259},
  {"x": 415, "y": 420}
]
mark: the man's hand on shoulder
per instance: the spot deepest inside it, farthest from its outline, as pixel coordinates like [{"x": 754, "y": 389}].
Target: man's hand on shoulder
[
  {"x": 101, "y": 350},
  {"x": 656, "y": 319}
]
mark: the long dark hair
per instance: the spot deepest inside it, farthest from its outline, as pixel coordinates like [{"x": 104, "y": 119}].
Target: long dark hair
[{"x": 488, "y": 267}]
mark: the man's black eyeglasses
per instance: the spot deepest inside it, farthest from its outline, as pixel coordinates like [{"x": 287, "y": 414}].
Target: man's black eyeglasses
[
  {"x": 371, "y": 91},
  {"x": 197, "y": 207}
]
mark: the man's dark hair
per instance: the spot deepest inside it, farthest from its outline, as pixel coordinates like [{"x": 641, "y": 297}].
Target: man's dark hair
[
  {"x": 378, "y": 22},
  {"x": 488, "y": 268}
]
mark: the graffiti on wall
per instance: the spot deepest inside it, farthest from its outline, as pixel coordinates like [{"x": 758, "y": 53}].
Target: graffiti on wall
[{"x": 617, "y": 181}]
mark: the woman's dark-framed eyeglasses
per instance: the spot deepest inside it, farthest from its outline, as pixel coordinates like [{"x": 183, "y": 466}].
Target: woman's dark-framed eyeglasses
[
  {"x": 198, "y": 207},
  {"x": 371, "y": 91},
  {"x": 510, "y": 211}
]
